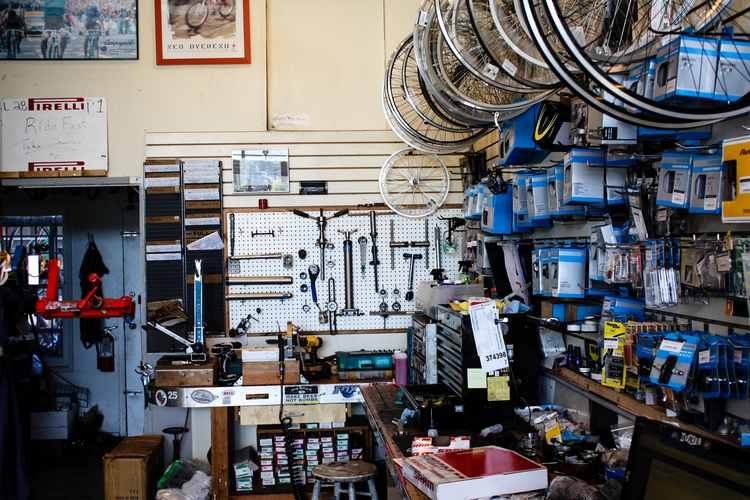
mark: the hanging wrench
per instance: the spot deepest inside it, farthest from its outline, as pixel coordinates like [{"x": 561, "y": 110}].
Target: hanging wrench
[
  {"x": 410, "y": 294},
  {"x": 363, "y": 252},
  {"x": 146, "y": 371}
]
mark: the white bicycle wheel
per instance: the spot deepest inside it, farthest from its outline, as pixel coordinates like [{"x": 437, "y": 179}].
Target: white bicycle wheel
[{"x": 413, "y": 183}]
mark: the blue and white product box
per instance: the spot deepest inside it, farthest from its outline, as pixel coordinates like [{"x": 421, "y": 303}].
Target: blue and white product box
[
  {"x": 596, "y": 251},
  {"x": 733, "y": 75},
  {"x": 536, "y": 272},
  {"x": 470, "y": 202},
  {"x": 570, "y": 276},
  {"x": 641, "y": 79},
  {"x": 476, "y": 208},
  {"x": 708, "y": 185},
  {"x": 686, "y": 69},
  {"x": 483, "y": 260},
  {"x": 520, "y": 203},
  {"x": 622, "y": 308},
  {"x": 615, "y": 174},
  {"x": 584, "y": 176},
  {"x": 537, "y": 198},
  {"x": 516, "y": 142},
  {"x": 555, "y": 193},
  {"x": 544, "y": 258},
  {"x": 497, "y": 211},
  {"x": 674, "y": 180}
]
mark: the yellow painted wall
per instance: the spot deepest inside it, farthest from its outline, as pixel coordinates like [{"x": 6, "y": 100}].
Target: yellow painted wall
[{"x": 324, "y": 59}]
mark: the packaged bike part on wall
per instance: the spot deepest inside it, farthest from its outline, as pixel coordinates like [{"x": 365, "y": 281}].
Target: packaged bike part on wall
[
  {"x": 613, "y": 372},
  {"x": 690, "y": 256},
  {"x": 674, "y": 180},
  {"x": 723, "y": 372},
  {"x": 741, "y": 345},
  {"x": 731, "y": 378},
  {"x": 708, "y": 367},
  {"x": 673, "y": 361},
  {"x": 646, "y": 347},
  {"x": 708, "y": 188}
]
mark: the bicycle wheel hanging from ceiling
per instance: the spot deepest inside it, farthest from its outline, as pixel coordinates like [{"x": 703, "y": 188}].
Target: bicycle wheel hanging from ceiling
[
  {"x": 445, "y": 74},
  {"x": 425, "y": 126},
  {"x": 413, "y": 183},
  {"x": 508, "y": 71},
  {"x": 605, "y": 39},
  {"x": 580, "y": 83}
]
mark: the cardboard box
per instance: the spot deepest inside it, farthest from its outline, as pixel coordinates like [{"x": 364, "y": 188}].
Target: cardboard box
[
  {"x": 133, "y": 468},
  {"x": 537, "y": 199},
  {"x": 475, "y": 473},
  {"x": 52, "y": 424},
  {"x": 244, "y": 465},
  {"x": 707, "y": 192},
  {"x": 732, "y": 76}
]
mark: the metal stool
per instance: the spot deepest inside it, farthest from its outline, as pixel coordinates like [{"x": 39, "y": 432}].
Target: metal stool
[{"x": 345, "y": 472}]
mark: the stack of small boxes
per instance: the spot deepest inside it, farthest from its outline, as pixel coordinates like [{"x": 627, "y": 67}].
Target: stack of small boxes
[
  {"x": 244, "y": 468},
  {"x": 315, "y": 445}
]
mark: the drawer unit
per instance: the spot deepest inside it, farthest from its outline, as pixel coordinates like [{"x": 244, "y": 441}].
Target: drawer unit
[{"x": 423, "y": 350}]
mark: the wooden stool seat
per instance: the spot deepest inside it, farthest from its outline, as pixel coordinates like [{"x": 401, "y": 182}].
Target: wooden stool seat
[{"x": 350, "y": 472}]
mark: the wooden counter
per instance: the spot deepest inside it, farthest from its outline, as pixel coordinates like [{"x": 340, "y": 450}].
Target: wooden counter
[{"x": 381, "y": 409}]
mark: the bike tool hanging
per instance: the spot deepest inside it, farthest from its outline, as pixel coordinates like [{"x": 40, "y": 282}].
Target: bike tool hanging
[
  {"x": 314, "y": 271},
  {"x": 374, "y": 237},
  {"x": 332, "y": 307},
  {"x": 349, "y": 309},
  {"x": 322, "y": 241}
]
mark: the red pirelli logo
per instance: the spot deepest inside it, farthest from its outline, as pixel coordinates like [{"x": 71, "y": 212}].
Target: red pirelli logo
[
  {"x": 50, "y": 166},
  {"x": 57, "y": 104}
]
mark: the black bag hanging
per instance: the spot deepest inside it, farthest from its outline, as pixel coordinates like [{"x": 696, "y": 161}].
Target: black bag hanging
[{"x": 91, "y": 329}]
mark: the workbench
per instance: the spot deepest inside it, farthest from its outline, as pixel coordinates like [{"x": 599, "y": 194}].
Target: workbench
[
  {"x": 223, "y": 402},
  {"x": 381, "y": 409}
]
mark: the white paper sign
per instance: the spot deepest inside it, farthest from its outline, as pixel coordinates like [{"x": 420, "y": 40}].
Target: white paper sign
[{"x": 487, "y": 337}]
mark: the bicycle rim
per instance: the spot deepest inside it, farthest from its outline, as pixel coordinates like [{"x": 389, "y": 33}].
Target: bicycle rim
[
  {"x": 578, "y": 84},
  {"x": 196, "y": 14},
  {"x": 701, "y": 104},
  {"x": 413, "y": 183},
  {"x": 226, "y": 7}
]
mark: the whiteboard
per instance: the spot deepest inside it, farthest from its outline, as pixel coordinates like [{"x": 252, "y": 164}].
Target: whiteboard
[{"x": 50, "y": 135}]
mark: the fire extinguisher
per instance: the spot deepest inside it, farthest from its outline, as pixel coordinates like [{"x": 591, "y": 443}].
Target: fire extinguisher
[{"x": 105, "y": 360}]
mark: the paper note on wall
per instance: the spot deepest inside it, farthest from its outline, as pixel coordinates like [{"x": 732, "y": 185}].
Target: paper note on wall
[{"x": 487, "y": 337}]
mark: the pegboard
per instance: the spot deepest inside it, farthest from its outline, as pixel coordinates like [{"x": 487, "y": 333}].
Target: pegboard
[{"x": 291, "y": 233}]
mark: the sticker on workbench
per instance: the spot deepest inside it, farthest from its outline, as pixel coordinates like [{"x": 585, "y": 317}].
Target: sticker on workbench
[
  {"x": 160, "y": 397},
  {"x": 348, "y": 391},
  {"x": 226, "y": 396},
  {"x": 301, "y": 395},
  {"x": 202, "y": 396}
]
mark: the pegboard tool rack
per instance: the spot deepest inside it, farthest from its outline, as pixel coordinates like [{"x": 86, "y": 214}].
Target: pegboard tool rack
[{"x": 256, "y": 232}]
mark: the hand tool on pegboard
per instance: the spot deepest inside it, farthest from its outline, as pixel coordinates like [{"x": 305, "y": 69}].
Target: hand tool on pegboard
[{"x": 322, "y": 241}]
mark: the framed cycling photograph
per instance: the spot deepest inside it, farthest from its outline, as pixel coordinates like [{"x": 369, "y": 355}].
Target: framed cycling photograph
[
  {"x": 202, "y": 32},
  {"x": 69, "y": 29}
]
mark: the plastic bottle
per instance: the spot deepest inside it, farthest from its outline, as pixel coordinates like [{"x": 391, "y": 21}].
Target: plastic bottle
[
  {"x": 400, "y": 368},
  {"x": 493, "y": 429}
]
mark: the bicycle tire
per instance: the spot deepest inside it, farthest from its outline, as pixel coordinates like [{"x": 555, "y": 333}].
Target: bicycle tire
[
  {"x": 196, "y": 14},
  {"x": 703, "y": 109},
  {"x": 227, "y": 7},
  {"x": 577, "y": 83},
  {"x": 414, "y": 184}
]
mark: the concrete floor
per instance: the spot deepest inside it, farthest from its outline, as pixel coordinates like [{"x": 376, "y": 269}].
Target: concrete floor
[{"x": 66, "y": 478}]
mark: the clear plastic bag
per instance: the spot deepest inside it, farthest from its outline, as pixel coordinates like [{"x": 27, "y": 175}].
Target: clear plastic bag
[{"x": 185, "y": 480}]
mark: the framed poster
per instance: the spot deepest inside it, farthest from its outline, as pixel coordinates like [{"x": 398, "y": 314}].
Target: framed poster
[
  {"x": 71, "y": 29},
  {"x": 256, "y": 171},
  {"x": 202, "y": 32}
]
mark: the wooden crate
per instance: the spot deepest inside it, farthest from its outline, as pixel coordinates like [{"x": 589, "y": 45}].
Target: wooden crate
[
  {"x": 267, "y": 373},
  {"x": 202, "y": 375}
]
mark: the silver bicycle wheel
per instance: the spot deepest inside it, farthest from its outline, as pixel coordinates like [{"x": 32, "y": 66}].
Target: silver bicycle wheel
[{"x": 413, "y": 183}]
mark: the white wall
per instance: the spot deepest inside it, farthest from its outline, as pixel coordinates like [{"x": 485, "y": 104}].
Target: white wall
[{"x": 323, "y": 59}]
